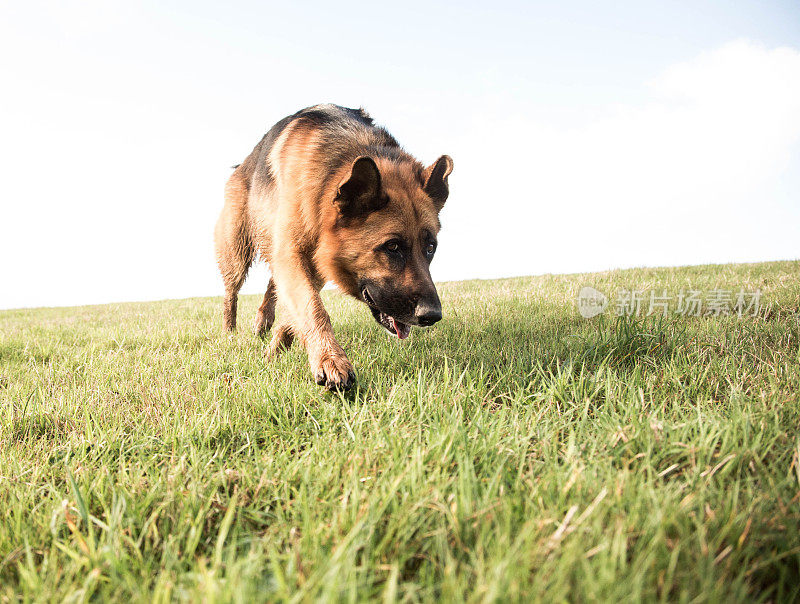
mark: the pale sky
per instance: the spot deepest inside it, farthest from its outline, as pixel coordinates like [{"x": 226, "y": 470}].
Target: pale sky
[{"x": 585, "y": 135}]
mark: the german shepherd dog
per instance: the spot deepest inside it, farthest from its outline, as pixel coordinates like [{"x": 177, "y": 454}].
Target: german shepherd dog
[{"x": 328, "y": 196}]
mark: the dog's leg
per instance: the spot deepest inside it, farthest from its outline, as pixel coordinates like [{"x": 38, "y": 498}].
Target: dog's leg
[
  {"x": 299, "y": 293},
  {"x": 234, "y": 246},
  {"x": 281, "y": 340},
  {"x": 230, "y": 303},
  {"x": 265, "y": 316}
]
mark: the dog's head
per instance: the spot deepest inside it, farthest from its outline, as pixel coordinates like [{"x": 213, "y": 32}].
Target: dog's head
[{"x": 387, "y": 224}]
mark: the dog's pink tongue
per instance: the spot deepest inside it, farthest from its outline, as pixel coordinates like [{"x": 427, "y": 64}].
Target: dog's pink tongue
[{"x": 401, "y": 329}]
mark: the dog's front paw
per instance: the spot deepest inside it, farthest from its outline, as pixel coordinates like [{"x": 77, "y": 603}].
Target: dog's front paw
[{"x": 335, "y": 373}]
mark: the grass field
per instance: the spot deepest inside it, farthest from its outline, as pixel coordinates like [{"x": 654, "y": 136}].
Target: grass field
[{"x": 516, "y": 451}]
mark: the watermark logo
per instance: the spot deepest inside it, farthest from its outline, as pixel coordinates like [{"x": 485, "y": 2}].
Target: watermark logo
[
  {"x": 591, "y": 302},
  {"x": 686, "y": 303}
]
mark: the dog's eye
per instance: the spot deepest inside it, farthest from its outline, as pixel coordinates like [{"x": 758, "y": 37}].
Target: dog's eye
[
  {"x": 430, "y": 249},
  {"x": 393, "y": 247}
]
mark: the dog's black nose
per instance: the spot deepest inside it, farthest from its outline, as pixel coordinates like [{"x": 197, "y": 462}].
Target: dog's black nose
[{"x": 427, "y": 313}]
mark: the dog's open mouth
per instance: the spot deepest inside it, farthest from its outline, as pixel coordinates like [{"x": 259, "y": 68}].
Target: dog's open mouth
[{"x": 392, "y": 325}]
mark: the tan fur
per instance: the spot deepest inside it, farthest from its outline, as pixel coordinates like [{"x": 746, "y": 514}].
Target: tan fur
[{"x": 296, "y": 227}]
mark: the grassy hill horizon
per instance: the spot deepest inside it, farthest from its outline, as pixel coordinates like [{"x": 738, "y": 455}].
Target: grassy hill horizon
[
  {"x": 515, "y": 451},
  {"x": 331, "y": 287}
]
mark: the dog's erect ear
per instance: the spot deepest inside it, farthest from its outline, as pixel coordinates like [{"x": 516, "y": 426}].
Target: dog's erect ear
[
  {"x": 436, "y": 180},
  {"x": 360, "y": 193}
]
